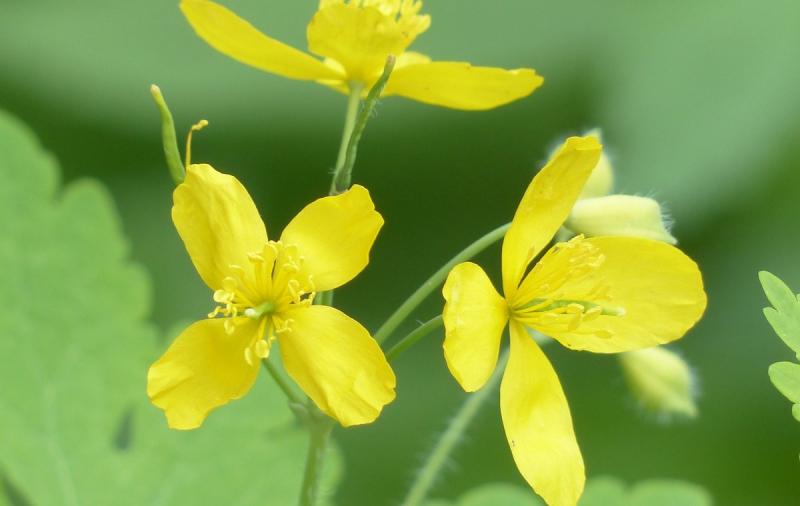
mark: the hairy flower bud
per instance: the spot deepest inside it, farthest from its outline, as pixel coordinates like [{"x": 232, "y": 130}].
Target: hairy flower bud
[
  {"x": 661, "y": 380},
  {"x": 620, "y": 215},
  {"x": 601, "y": 182}
]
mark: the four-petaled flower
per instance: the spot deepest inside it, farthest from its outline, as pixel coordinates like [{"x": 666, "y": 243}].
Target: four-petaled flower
[
  {"x": 264, "y": 292},
  {"x": 603, "y": 294},
  {"x": 355, "y": 37}
]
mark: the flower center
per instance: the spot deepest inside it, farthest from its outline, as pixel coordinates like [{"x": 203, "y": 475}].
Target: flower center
[
  {"x": 273, "y": 282},
  {"x": 563, "y": 290}
]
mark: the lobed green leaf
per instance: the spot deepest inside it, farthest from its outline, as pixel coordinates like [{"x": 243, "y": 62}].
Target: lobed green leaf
[
  {"x": 76, "y": 427},
  {"x": 786, "y": 378},
  {"x": 784, "y": 316}
]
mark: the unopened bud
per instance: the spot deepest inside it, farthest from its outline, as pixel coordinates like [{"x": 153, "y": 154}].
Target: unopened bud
[
  {"x": 620, "y": 215},
  {"x": 601, "y": 181},
  {"x": 661, "y": 380}
]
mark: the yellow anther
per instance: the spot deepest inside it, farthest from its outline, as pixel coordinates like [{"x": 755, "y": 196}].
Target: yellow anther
[
  {"x": 256, "y": 258},
  {"x": 230, "y": 327},
  {"x": 223, "y": 296},
  {"x": 574, "y": 308},
  {"x": 285, "y": 326},
  {"x": 248, "y": 356},
  {"x": 262, "y": 348}
]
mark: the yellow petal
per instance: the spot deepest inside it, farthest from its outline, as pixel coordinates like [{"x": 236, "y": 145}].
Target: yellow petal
[
  {"x": 218, "y": 222},
  {"x": 337, "y": 363},
  {"x": 538, "y": 423},
  {"x": 335, "y": 235},
  {"x": 204, "y": 368},
  {"x": 411, "y": 58},
  {"x": 474, "y": 318},
  {"x": 235, "y": 37},
  {"x": 361, "y": 37},
  {"x": 461, "y": 86},
  {"x": 658, "y": 289},
  {"x": 546, "y": 204}
]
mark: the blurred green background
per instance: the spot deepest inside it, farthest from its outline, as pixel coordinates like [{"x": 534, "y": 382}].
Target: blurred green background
[{"x": 699, "y": 107}]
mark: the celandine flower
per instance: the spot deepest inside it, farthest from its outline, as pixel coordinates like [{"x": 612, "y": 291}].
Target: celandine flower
[
  {"x": 604, "y": 294},
  {"x": 264, "y": 292},
  {"x": 355, "y": 38}
]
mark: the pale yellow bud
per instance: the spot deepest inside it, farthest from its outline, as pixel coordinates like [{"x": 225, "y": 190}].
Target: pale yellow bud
[
  {"x": 661, "y": 380},
  {"x": 601, "y": 181},
  {"x": 620, "y": 215}
]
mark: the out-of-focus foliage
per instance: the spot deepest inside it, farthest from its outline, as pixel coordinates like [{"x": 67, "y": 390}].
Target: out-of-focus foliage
[
  {"x": 784, "y": 317},
  {"x": 683, "y": 136},
  {"x": 601, "y": 491},
  {"x": 75, "y": 425}
]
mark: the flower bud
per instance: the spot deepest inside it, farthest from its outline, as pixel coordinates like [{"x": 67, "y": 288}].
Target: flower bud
[
  {"x": 661, "y": 381},
  {"x": 620, "y": 215},
  {"x": 601, "y": 181}
]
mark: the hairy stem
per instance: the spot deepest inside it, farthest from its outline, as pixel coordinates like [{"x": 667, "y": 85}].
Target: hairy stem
[
  {"x": 282, "y": 382},
  {"x": 353, "y": 104},
  {"x": 433, "y": 282},
  {"x": 320, "y": 432},
  {"x": 414, "y": 336},
  {"x": 452, "y": 435},
  {"x": 343, "y": 176}
]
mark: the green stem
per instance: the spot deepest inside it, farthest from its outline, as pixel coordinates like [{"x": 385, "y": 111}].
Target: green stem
[
  {"x": 342, "y": 175},
  {"x": 320, "y": 431},
  {"x": 433, "y": 282},
  {"x": 414, "y": 336},
  {"x": 353, "y": 103},
  {"x": 282, "y": 382},
  {"x": 437, "y": 459},
  {"x": 168, "y": 138}
]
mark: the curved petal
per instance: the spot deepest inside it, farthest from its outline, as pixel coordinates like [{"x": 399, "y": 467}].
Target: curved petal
[
  {"x": 337, "y": 363},
  {"x": 459, "y": 85},
  {"x": 218, "y": 222},
  {"x": 335, "y": 235},
  {"x": 474, "y": 318},
  {"x": 204, "y": 368},
  {"x": 546, "y": 204},
  {"x": 235, "y": 37},
  {"x": 361, "y": 37},
  {"x": 658, "y": 289},
  {"x": 538, "y": 423}
]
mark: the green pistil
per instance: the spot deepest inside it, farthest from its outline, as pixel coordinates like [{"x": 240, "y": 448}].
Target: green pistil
[
  {"x": 587, "y": 306},
  {"x": 257, "y": 312}
]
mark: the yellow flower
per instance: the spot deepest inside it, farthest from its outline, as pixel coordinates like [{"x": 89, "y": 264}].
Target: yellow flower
[
  {"x": 354, "y": 38},
  {"x": 264, "y": 292},
  {"x": 603, "y": 294}
]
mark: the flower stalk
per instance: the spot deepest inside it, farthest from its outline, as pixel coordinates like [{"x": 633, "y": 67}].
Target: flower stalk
[
  {"x": 437, "y": 459},
  {"x": 319, "y": 427},
  {"x": 436, "y": 280},
  {"x": 414, "y": 336},
  {"x": 342, "y": 175}
]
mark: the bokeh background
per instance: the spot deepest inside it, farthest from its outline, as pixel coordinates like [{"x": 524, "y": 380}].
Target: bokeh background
[{"x": 699, "y": 107}]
